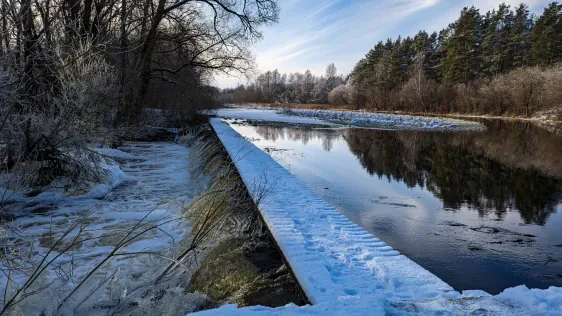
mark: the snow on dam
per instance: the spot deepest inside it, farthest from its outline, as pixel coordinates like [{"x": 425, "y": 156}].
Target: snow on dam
[{"x": 342, "y": 268}]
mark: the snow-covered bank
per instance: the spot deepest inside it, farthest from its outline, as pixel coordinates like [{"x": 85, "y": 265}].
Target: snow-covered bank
[
  {"x": 398, "y": 121},
  {"x": 258, "y": 114},
  {"x": 352, "y": 118},
  {"x": 345, "y": 270},
  {"x": 109, "y": 176}
]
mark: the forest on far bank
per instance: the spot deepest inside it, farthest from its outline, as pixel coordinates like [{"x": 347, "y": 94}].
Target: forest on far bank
[{"x": 504, "y": 62}]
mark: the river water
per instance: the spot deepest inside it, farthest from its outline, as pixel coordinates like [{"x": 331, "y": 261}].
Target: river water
[
  {"x": 144, "y": 208},
  {"x": 481, "y": 210}
]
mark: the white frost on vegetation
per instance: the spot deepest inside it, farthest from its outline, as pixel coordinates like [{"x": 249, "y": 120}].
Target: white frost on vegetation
[{"x": 343, "y": 269}]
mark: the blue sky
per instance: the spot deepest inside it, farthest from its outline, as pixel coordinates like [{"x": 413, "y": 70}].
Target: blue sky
[{"x": 313, "y": 33}]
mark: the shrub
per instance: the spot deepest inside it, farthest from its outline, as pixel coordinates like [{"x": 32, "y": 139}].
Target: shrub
[
  {"x": 340, "y": 95},
  {"x": 50, "y": 131}
]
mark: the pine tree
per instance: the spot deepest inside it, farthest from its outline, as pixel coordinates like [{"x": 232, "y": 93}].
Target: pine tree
[
  {"x": 520, "y": 37},
  {"x": 495, "y": 53},
  {"x": 463, "y": 59},
  {"x": 546, "y": 37},
  {"x": 433, "y": 59},
  {"x": 441, "y": 52}
]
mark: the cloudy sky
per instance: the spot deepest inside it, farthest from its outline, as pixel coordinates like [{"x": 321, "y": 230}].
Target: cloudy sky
[{"x": 313, "y": 33}]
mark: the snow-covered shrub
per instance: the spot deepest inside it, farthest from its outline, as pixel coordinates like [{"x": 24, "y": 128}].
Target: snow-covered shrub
[
  {"x": 522, "y": 91},
  {"x": 418, "y": 93},
  {"x": 340, "y": 95},
  {"x": 88, "y": 90},
  {"x": 54, "y": 128}
]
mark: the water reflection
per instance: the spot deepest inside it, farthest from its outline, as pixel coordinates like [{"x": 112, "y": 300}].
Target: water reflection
[
  {"x": 458, "y": 170},
  {"x": 480, "y": 210},
  {"x": 509, "y": 167},
  {"x": 273, "y": 133}
]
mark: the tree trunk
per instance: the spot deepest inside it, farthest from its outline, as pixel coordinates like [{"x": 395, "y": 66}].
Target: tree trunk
[
  {"x": 28, "y": 38},
  {"x": 73, "y": 7},
  {"x": 45, "y": 13},
  {"x": 5, "y": 35},
  {"x": 147, "y": 50},
  {"x": 123, "y": 42},
  {"x": 144, "y": 20},
  {"x": 86, "y": 17}
]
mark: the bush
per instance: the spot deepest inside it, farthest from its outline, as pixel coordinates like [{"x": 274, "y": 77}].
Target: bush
[
  {"x": 523, "y": 91},
  {"x": 50, "y": 130},
  {"x": 520, "y": 92},
  {"x": 340, "y": 95}
]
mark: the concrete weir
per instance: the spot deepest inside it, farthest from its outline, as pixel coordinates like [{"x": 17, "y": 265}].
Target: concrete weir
[
  {"x": 332, "y": 258},
  {"x": 343, "y": 269}
]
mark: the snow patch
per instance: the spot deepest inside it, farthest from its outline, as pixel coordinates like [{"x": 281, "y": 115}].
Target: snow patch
[
  {"x": 399, "y": 121},
  {"x": 114, "y": 177},
  {"x": 267, "y": 115}
]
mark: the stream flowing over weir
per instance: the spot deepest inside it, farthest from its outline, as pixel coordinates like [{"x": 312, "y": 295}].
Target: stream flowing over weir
[
  {"x": 148, "y": 186},
  {"x": 170, "y": 231}
]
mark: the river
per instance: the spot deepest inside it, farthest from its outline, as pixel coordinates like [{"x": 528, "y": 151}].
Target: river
[{"x": 481, "y": 209}]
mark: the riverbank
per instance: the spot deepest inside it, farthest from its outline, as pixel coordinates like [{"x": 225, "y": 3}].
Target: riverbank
[
  {"x": 550, "y": 117},
  {"x": 339, "y": 119}
]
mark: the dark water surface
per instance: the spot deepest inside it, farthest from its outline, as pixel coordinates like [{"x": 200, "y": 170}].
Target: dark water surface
[{"x": 481, "y": 210}]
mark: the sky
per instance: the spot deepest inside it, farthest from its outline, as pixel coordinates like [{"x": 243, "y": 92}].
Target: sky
[{"x": 314, "y": 33}]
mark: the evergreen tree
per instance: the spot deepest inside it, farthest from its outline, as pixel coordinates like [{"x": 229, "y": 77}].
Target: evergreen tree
[
  {"x": 520, "y": 37},
  {"x": 443, "y": 39},
  {"x": 495, "y": 53},
  {"x": 433, "y": 60},
  {"x": 463, "y": 59},
  {"x": 546, "y": 37}
]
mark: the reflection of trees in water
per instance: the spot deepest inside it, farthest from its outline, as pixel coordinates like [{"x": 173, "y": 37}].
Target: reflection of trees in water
[
  {"x": 303, "y": 135},
  {"x": 496, "y": 170}
]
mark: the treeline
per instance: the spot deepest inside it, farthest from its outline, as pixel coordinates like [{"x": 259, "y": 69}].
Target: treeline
[
  {"x": 273, "y": 87},
  {"x": 503, "y": 62},
  {"x": 73, "y": 72}
]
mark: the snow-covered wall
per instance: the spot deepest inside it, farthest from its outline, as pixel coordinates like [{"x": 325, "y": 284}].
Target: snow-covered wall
[
  {"x": 341, "y": 267},
  {"x": 331, "y": 256}
]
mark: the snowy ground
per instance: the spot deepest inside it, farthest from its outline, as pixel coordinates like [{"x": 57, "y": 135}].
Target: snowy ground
[
  {"x": 397, "y": 121},
  {"x": 149, "y": 185},
  {"x": 267, "y": 115},
  {"x": 345, "y": 270}
]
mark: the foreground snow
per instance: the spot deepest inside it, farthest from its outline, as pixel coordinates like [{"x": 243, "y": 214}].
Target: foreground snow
[
  {"x": 345, "y": 270},
  {"x": 518, "y": 301}
]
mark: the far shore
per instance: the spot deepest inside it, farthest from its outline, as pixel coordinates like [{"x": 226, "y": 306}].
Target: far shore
[{"x": 548, "y": 118}]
